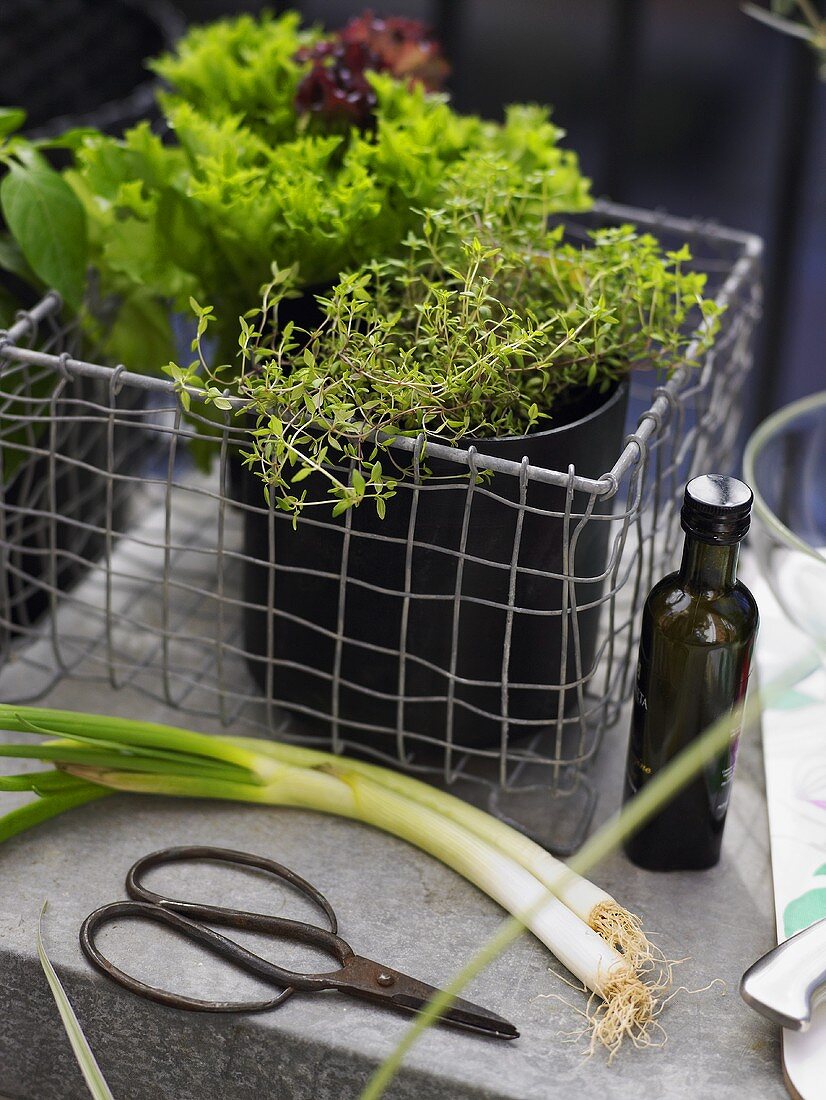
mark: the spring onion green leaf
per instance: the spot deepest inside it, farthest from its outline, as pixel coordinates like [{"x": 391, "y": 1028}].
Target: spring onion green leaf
[{"x": 33, "y": 813}]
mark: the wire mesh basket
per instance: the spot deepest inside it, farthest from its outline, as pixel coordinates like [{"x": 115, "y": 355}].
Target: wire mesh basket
[{"x": 484, "y": 637}]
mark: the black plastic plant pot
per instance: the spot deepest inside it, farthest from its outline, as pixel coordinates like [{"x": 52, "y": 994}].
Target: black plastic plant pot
[{"x": 426, "y": 619}]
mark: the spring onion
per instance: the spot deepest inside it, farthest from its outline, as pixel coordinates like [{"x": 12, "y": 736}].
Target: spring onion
[
  {"x": 591, "y": 904},
  {"x": 131, "y": 756}
]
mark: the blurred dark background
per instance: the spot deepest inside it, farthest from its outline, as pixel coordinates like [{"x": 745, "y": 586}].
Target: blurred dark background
[{"x": 687, "y": 106}]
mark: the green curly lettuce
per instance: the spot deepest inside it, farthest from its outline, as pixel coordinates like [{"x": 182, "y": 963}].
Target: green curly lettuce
[{"x": 243, "y": 183}]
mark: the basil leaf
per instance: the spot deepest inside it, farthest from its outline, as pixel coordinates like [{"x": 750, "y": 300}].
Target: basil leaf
[
  {"x": 47, "y": 220},
  {"x": 11, "y": 119},
  {"x": 26, "y": 154},
  {"x": 13, "y": 260}
]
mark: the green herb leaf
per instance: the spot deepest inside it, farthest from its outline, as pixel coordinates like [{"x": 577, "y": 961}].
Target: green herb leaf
[
  {"x": 49, "y": 224},
  {"x": 13, "y": 260},
  {"x": 11, "y": 119},
  {"x": 72, "y": 139},
  {"x": 357, "y": 479}
]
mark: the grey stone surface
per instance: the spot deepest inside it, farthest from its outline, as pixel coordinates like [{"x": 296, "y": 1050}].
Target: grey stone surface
[{"x": 395, "y": 904}]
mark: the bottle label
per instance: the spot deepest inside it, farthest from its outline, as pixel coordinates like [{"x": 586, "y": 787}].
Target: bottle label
[
  {"x": 639, "y": 693},
  {"x": 637, "y": 771},
  {"x": 719, "y": 801},
  {"x": 720, "y": 777}
]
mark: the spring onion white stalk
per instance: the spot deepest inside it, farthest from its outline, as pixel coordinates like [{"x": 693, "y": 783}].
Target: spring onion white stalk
[{"x": 591, "y": 904}]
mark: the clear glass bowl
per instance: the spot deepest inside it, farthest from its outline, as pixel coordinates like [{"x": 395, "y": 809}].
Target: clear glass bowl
[{"x": 785, "y": 464}]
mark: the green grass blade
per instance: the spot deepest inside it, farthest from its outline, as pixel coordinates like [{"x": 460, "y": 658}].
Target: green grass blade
[
  {"x": 654, "y": 796},
  {"x": 95, "y": 1080},
  {"x": 33, "y": 813}
]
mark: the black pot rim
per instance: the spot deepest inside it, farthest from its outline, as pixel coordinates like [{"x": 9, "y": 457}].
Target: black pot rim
[{"x": 614, "y": 398}]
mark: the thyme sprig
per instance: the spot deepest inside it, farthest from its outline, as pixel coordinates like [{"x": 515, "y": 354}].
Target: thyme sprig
[{"x": 486, "y": 325}]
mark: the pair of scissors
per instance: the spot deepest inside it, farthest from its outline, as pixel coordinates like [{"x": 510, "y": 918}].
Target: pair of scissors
[{"x": 355, "y": 976}]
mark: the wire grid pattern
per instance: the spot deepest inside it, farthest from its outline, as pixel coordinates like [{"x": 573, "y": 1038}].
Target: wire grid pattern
[{"x": 485, "y": 638}]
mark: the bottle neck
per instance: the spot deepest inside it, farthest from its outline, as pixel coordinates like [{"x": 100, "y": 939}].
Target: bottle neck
[{"x": 708, "y": 567}]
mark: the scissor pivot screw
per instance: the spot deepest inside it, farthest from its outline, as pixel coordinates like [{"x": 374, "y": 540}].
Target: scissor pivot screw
[{"x": 385, "y": 979}]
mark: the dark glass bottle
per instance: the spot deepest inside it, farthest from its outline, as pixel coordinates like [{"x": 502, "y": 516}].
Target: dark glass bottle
[{"x": 698, "y": 630}]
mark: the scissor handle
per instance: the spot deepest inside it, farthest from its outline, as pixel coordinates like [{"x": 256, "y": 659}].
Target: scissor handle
[
  {"x": 135, "y": 888},
  {"x": 186, "y": 917},
  {"x": 218, "y": 943}
]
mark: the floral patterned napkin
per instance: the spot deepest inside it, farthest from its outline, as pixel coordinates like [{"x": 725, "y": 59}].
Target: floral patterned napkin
[{"x": 794, "y": 751}]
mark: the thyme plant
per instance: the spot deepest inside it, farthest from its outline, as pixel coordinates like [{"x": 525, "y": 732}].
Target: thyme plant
[{"x": 488, "y": 324}]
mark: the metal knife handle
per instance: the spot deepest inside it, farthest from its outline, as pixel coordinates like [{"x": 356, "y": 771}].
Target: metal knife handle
[{"x": 787, "y": 982}]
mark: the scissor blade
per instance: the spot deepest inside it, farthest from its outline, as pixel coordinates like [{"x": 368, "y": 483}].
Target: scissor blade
[
  {"x": 364, "y": 978},
  {"x": 465, "y": 1014}
]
